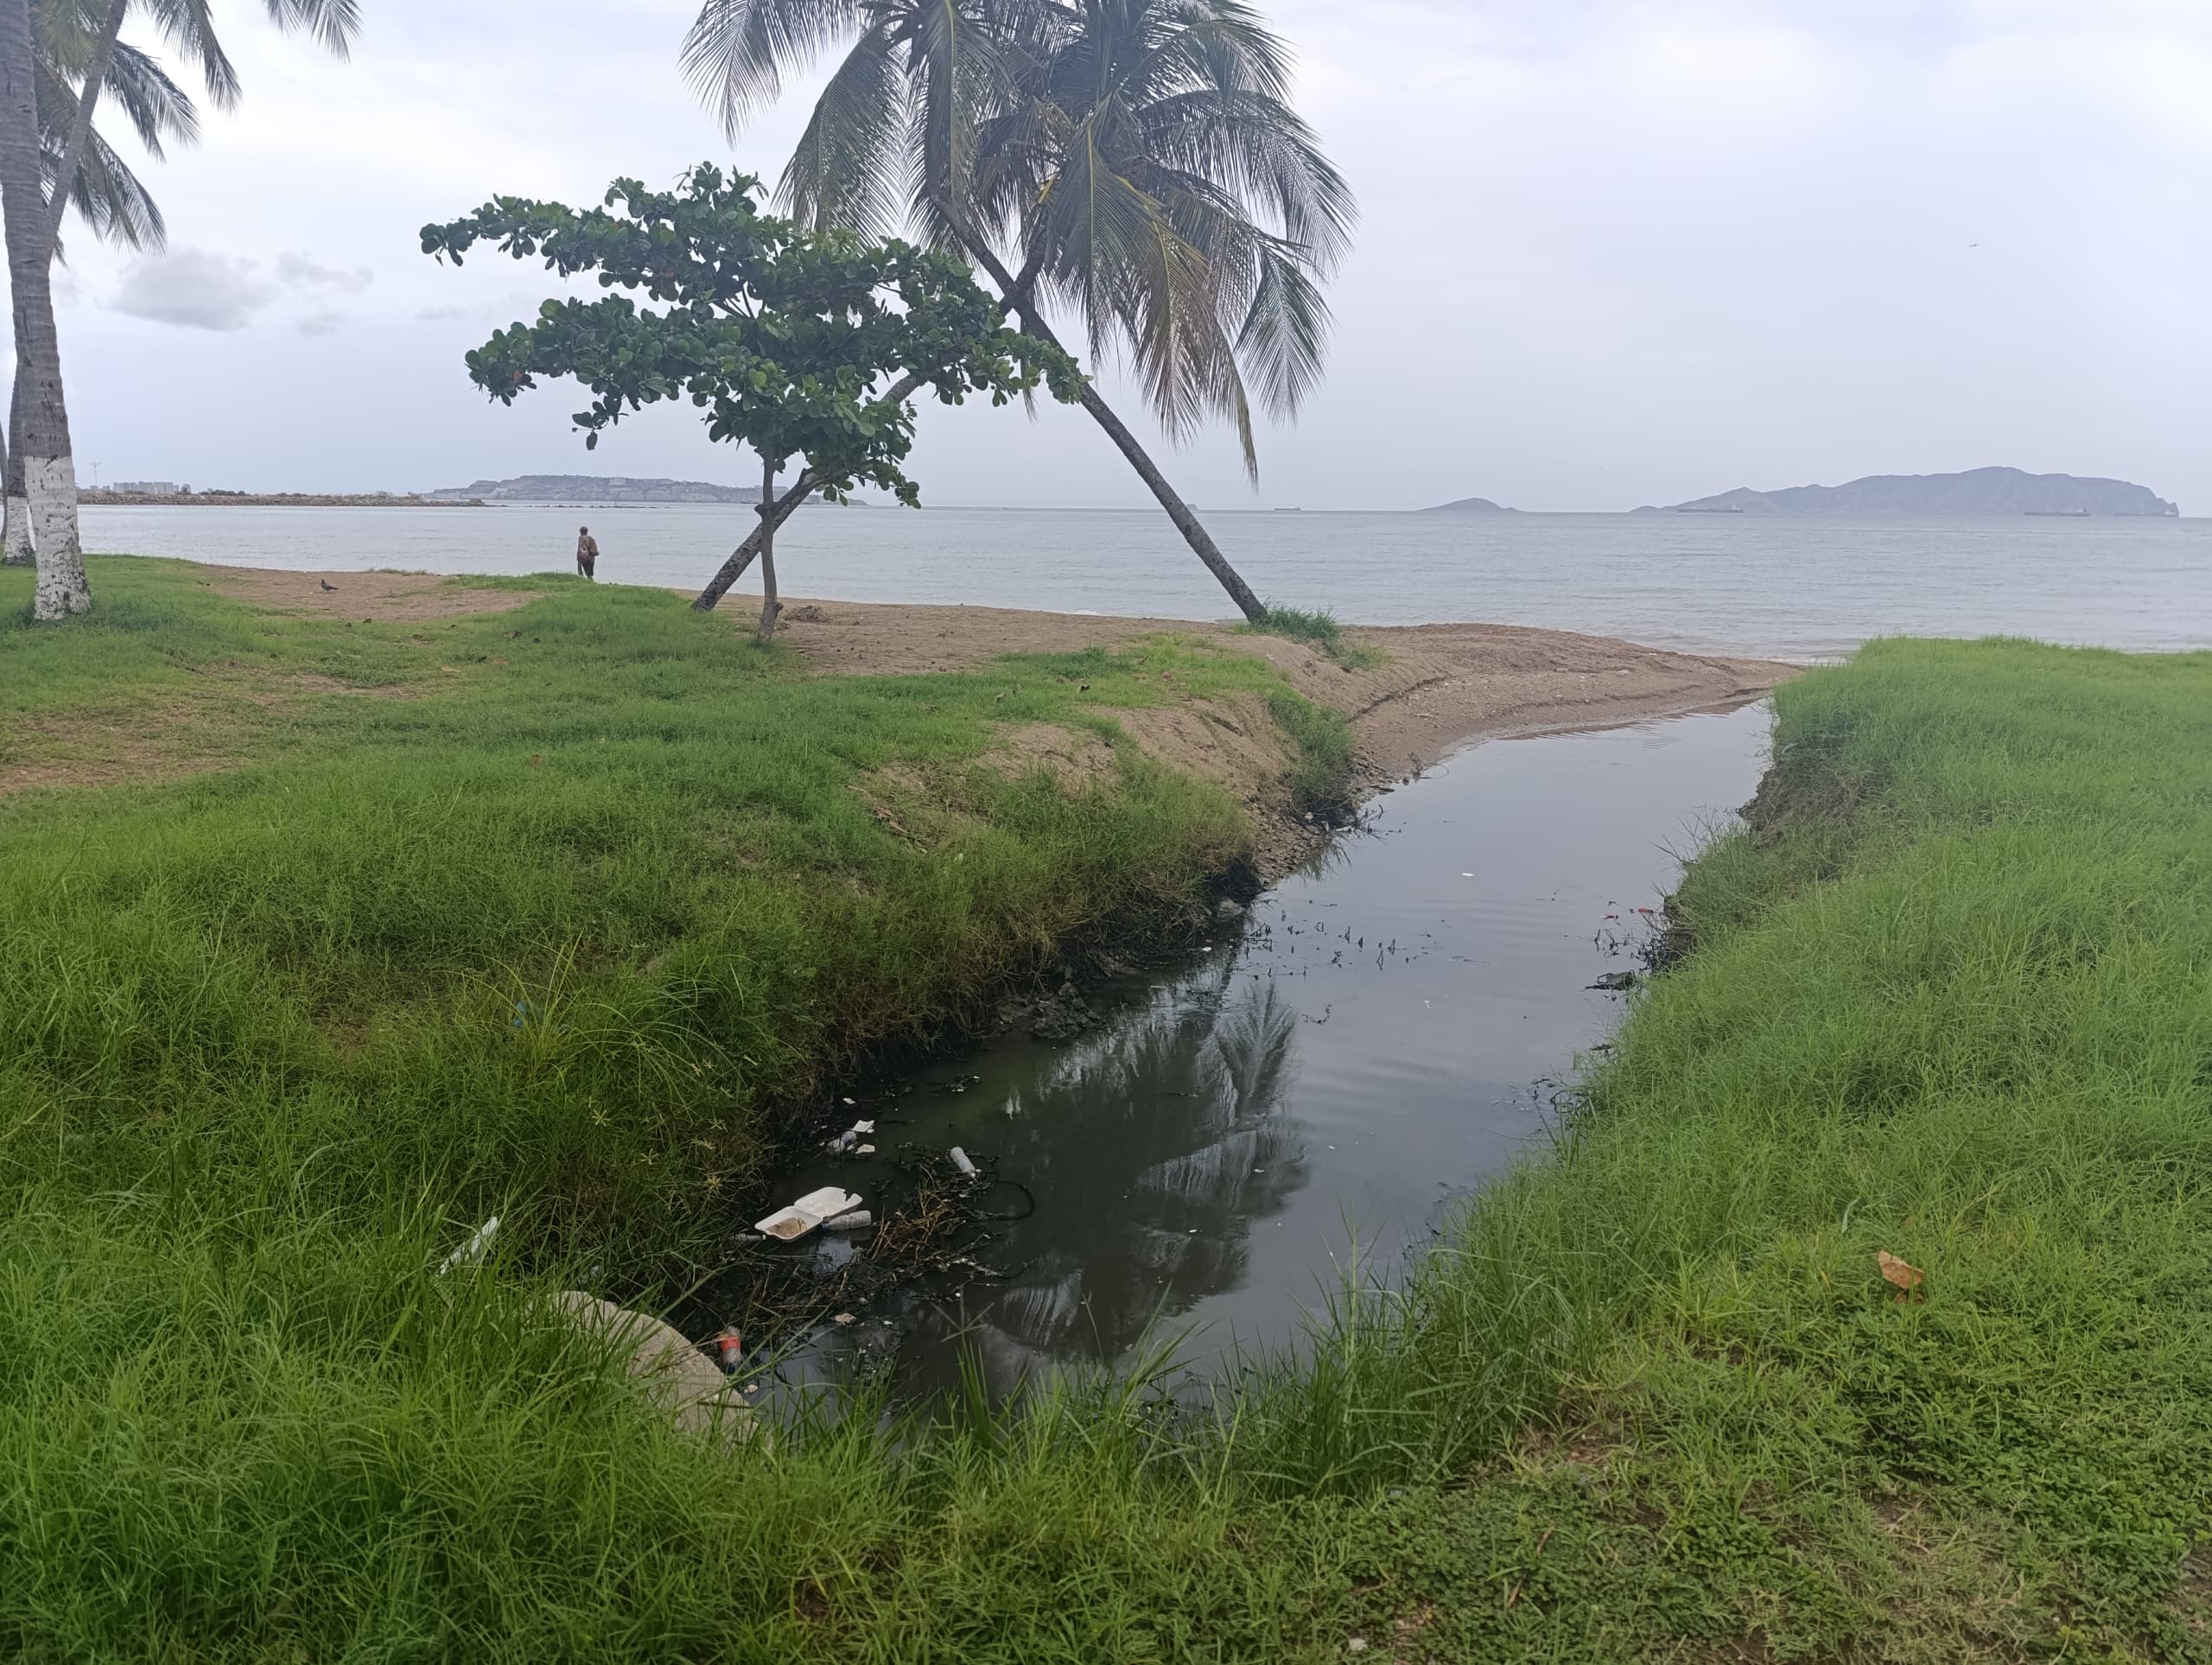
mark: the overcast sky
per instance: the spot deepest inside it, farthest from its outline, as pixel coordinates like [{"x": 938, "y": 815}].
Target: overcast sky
[{"x": 1611, "y": 253}]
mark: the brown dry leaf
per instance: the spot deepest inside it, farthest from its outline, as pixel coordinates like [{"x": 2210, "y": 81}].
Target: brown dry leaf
[{"x": 1908, "y": 1277}]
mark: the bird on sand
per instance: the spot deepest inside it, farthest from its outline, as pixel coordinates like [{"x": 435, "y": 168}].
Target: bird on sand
[{"x": 327, "y": 585}]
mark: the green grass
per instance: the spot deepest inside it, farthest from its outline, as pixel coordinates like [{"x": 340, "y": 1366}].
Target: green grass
[
  {"x": 1951, "y": 999},
  {"x": 541, "y": 908},
  {"x": 362, "y": 932},
  {"x": 1318, "y": 629}
]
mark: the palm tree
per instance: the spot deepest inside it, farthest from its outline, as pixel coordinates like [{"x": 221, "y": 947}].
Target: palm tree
[
  {"x": 1135, "y": 162},
  {"x": 108, "y": 196},
  {"x": 39, "y": 420}
]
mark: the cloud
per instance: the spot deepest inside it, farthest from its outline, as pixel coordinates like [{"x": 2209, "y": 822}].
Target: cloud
[
  {"x": 194, "y": 289},
  {"x": 301, "y": 272},
  {"x": 324, "y": 321},
  {"x": 441, "y": 314}
]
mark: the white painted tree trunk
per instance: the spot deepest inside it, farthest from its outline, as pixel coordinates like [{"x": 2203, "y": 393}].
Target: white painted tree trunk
[
  {"x": 62, "y": 589},
  {"x": 15, "y": 550},
  {"x": 15, "y": 542},
  {"x": 42, "y": 436}
]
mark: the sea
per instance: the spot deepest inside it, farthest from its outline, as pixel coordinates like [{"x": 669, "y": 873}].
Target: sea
[{"x": 1806, "y": 589}]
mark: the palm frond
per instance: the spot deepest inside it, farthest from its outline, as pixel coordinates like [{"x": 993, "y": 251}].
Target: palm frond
[
  {"x": 737, "y": 54},
  {"x": 113, "y": 202},
  {"x": 1285, "y": 334},
  {"x": 1259, "y": 148},
  {"x": 960, "y": 77},
  {"x": 189, "y": 25},
  {"x": 853, "y": 165},
  {"x": 333, "y": 23},
  {"x": 111, "y": 198},
  {"x": 160, "y": 111}
]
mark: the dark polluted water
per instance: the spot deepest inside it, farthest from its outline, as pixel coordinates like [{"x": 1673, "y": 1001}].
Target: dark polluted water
[{"x": 1378, "y": 1035}]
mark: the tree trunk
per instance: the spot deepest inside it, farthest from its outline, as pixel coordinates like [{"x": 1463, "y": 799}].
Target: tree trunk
[
  {"x": 802, "y": 488},
  {"x": 1016, "y": 294},
  {"x": 770, "y": 607},
  {"x": 1187, "y": 523},
  {"x": 742, "y": 556},
  {"x": 49, "y": 472},
  {"x": 16, "y": 540}
]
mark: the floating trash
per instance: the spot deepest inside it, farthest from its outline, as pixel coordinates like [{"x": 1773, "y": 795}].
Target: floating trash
[{"x": 788, "y": 1224}]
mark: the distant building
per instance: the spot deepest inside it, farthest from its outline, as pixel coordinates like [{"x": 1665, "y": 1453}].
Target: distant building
[{"x": 146, "y": 487}]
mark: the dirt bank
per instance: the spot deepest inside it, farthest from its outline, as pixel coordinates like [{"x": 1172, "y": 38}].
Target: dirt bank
[
  {"x": 1437, "y": 687},
  {"x": 1433, "y": 687}
]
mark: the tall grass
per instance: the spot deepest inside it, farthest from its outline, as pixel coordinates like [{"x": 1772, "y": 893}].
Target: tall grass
[
  {"x": 1318, "y": 628},
  {"x": 1951, "y": 999},
  {"x": 267, "y": 1035}
]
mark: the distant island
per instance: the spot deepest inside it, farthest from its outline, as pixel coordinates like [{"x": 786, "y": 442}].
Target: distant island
[
  {"x": 594, "y": 488},
  {"x": 1977, "y": 491},
  {"x": 161, "y": 494},
  {"x": 1470, "y": 505}
]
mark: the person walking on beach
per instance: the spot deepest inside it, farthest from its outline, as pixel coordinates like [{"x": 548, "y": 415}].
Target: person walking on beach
[{"x": 587, "y": 553}]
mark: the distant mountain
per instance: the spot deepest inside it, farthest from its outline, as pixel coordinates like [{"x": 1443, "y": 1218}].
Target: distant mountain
[
  {"x": 1978, "y": 491},
  {"x": 1470, "y": 506},
  {"x": 598, "y": 488}
]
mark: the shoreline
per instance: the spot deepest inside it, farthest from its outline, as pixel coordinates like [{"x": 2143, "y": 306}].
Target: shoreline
[{"x": 97, "y": 499}]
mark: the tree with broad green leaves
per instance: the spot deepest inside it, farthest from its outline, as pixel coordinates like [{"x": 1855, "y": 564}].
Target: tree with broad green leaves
[
  {"x": 779, "y": 335},
  {"x": 1135, "y": 164}
]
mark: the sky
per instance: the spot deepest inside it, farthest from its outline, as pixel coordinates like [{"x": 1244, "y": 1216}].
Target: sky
[{"x": 1611, "y": 253}]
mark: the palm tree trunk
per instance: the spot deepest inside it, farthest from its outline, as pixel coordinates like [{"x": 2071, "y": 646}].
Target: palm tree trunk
[
  {"x": 772, "y": 515},
  {"x": 16, "y": 540},
  {"x": 1016, "y": 294},
  {"x": 770, "y": 607},
  {"x": 42, "y": 450},
  {"x": 1187, "y": 523}
]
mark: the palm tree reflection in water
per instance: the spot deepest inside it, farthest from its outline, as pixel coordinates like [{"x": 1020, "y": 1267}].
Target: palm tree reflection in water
[{"x": 1151, "y": 1148}]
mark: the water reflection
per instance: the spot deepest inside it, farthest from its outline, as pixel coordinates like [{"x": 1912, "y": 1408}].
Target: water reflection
[
  {"x": 1152, "y": 1147},
  {"x": 1358, "y": 1051}
]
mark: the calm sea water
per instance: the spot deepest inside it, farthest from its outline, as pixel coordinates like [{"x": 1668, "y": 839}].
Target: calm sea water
[{"x": 1795, "y": 589}]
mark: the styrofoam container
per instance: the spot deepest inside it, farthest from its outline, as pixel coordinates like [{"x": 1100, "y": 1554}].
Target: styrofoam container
[{"x": 788, "y": 1224}]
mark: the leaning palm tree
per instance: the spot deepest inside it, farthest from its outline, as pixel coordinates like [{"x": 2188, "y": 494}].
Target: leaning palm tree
[
  {"x": 1134, "y": 163},
  {"x": 40, "y": 419},
  {"x": 108, "y": 196}
]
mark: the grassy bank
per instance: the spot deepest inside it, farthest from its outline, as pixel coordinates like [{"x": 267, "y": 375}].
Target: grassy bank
[
  {"x": 1950, "y": 998},
  {"x": 321, "y": 940}
]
